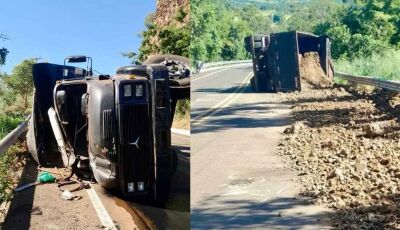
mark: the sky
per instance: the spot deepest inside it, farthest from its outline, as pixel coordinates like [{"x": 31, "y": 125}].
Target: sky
[{"x": 54, "y": 29}]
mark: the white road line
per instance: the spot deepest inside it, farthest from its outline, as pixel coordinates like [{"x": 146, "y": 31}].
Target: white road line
[
  {"x": 100, "y": 210},
  {"x": 207, "y": 75},
  {"x": 224, "y": 103},
  {"x": 226, "y": 66},
  {"x": 181, "y": 132}
]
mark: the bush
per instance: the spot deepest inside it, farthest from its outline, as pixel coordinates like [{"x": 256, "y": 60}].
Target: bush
[
  {"x": 9, "y": 122},
  {"x": 183, "y": 108},
  {"x": 6, "y": 180}
]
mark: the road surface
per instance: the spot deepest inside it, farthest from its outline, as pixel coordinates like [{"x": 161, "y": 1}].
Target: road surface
[
  {"x": 237, "y": 181},
  {"x": 41, "y": 207}
]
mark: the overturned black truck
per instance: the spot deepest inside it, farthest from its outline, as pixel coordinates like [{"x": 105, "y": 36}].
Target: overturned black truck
[
  {"x": 277, "y": 59},
  {"x": 116, "y": 127}
]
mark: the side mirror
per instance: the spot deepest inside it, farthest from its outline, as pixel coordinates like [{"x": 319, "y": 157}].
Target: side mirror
[{"x": 60, "y": 97}]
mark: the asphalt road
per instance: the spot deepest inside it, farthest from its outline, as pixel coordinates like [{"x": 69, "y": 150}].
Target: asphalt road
[
  {"x": 143, "y": 214},
  {"x": 237, "y": 180}
]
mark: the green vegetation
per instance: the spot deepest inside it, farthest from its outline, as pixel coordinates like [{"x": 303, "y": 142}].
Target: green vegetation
[
  {"x": 383, "y": 65},
  {"x": 10, "y": 162},
  {"x": 218, "y": 29},
  {"x": 16, "y": 89},
  {"x": 17, "y": 85},
  {"x": 365, "y": 34},
  {"x": 183, "y": 108},
  {"x": 3, "y": 51},
  {"x": 8, "y": 122},
  {"x": 361, "y": 30},
  {"x": 6, "y": 180},
  {"x": 365, "y": 38},
  {"x": 171, "y": 38}
]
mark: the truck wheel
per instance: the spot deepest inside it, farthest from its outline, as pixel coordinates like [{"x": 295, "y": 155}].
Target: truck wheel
[{"x": 159, "y": 59}]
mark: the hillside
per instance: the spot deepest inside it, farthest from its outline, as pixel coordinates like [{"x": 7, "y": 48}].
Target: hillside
[{"x": 168, "y": 9}]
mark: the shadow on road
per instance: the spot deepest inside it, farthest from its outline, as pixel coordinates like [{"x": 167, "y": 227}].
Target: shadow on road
[
  {"x": 238, "y": 116},
  {"x": 21, "y": 206},
  {"x": 279, "y": 213}
]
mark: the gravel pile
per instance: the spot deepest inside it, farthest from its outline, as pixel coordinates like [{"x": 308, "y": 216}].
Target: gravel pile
[
  {"x": 311, "y": 70},
  {"x": 345, "y": 145}
]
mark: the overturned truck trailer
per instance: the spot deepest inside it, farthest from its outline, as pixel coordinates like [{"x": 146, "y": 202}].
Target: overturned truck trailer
[{"x": 277, "y": 59}]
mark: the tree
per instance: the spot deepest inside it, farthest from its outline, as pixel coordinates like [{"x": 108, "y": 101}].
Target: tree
[
  {"x": 364, "y": 28},
  {"x": 20, "y": 82},
  {"x": 149, "y": 44},
  {"x": 171, "y": 38},
  {"x": 258, "y": 22},
  {"x": 133, "y": 56},
  {"x": 307, "y": 16},
  {"x": 218, "y": 31},
  {"x": 3, "y": 51}
]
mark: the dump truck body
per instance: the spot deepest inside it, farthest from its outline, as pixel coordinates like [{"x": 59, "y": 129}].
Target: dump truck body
[{"x": 276, "y": 59}]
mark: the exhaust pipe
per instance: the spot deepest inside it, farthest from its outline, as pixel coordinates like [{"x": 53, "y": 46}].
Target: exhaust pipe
[{"x": 67, "y": 160}]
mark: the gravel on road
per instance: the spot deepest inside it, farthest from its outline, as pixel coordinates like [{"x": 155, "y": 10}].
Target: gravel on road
[{"x": 345, "y": 145}]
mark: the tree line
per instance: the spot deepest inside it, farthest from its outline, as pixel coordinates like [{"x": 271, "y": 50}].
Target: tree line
[{"x": 357, "y": 28}]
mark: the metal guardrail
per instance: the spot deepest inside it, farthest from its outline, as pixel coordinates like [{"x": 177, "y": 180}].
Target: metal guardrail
[
  {"x": 224, "y": 63},
  {"x": 10, "y": 139},
  {"x": 368, "y": 80}
]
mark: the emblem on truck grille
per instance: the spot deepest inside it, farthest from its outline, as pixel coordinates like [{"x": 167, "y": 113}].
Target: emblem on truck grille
[{"x": 136, "y": 143}]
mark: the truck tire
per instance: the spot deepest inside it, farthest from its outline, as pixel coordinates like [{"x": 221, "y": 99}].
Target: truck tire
[{"x": 157, "y": 59}]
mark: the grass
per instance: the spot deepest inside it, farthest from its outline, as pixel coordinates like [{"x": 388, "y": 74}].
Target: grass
[
  {"x": 182, "y": 115},
  {"x": 8, "y": 122},
  {"x": 384, "y": 65},
  {"x": 183, "y": 108},
  {"x": 6, "y": 180}
]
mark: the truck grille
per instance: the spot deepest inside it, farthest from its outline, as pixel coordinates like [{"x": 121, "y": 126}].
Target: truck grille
[{"x": 135, "y": 128}]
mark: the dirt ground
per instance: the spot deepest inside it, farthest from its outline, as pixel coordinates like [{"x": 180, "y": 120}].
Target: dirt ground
[
  {"x": 181, "y": 122},
  {"x": 41, "y": 206},
  {"x": 345, "y": 145}
]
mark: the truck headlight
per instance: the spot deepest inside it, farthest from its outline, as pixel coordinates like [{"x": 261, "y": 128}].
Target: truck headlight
[
  {"x": 127, "y": 90},
  {"x": 139, "y": 90},
  {"x": 131, "y": 187},
  {"x": 140, "y": 186}
]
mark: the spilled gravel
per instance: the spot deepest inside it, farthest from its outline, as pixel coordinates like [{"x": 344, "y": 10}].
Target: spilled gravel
[{"x": 345, "y": 145}]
